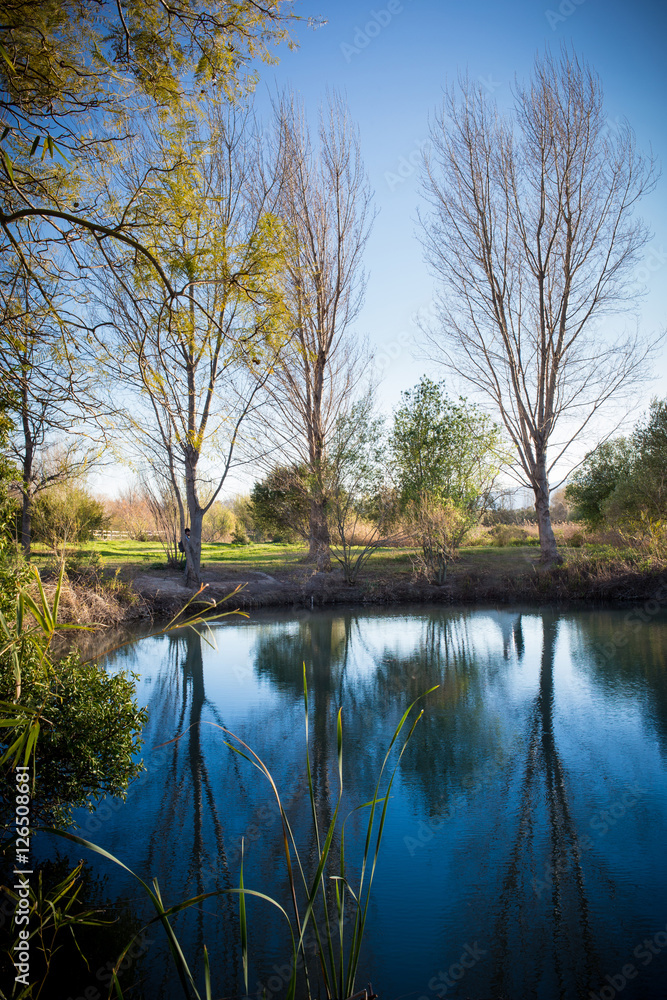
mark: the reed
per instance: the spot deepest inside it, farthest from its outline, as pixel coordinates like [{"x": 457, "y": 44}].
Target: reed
[
  {"x": 338, "y": 952},
  {"x": 335, "y": 962}
]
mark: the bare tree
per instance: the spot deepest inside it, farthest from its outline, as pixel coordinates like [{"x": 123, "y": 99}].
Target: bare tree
[
  {"x": 327, "y": 207},
  {"x": 532, "y": 235},
  {"x": 181, "y": 367}
]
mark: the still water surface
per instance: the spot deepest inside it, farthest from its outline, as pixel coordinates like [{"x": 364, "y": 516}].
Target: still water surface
[{"x": 525, "y": 849}]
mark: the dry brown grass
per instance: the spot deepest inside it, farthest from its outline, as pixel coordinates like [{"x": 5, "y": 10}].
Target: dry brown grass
[{"x": 94, "y": 602}]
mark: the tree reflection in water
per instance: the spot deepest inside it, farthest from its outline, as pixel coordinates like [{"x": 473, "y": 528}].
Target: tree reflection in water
[
  {"x": 564, "y": 934},
  {"x": 502, "y": 779},
  {"x": 186, "y": 822}
]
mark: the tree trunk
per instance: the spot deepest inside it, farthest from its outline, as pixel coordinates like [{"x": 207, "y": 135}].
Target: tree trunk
[
  {"x": 26, "y": 495},
  {"x": 26, "y": 519},
  {"x": 192, "y": 546},
  {"x": 319, "y": 551},
  {"x": 549, "y": 553}
]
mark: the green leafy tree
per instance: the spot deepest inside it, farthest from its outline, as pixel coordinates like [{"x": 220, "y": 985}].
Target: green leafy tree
[
  {"x": 193, "y": 368},
  {"x": 624, "y": 482},
  {"x": 281, "y": 502},
  {"x": 596, "y": 480},
  {"x": 70, "y": 76},
  {"x": 445, "y": 449},
  {"x": 362, "y": 505},
  {"x": 446, "y": 457},
  {"x": 646, "y": 487}
]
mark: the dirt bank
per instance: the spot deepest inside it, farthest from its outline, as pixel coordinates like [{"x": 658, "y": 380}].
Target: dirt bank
[{"x": 579, "y": 583}]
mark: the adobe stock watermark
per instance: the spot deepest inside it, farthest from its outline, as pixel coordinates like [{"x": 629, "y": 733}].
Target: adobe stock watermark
[
  {"x": 633, "y": 621},
  {"x": 109, "y": 806},
  {"x": 474, "y": 783},
  {"x": 407, "y": 166},
  {"x": 443, "y": 981},
  {"x": 364, "y": 34},
  {"x": 566, "y": 8},
  {"x": 394, "y": 349},
  {"x": 281, "y": 974},
  {"x": 654, "y": 260},
  {"x": 265, "y": 818},
  {"x": 601, "y": 822},
  {"x": 22, "y": 872},
  {"x": 644, "y": 953}
]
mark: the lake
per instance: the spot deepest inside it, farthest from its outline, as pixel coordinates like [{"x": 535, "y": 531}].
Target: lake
[{"x": 524, "y": 852}]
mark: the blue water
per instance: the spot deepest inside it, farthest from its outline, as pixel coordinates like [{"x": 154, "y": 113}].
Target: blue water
[{"x": 524, "y": 854}]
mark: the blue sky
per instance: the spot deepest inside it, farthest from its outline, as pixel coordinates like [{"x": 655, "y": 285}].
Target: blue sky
[
  {"x": 395, "y": 80},
  {"x": 391, "y": 60}
]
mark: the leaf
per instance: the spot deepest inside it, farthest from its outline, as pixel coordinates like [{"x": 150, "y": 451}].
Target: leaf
[
  {"x": 10, "y": 64},
  {"x": 8, "y": 165}
]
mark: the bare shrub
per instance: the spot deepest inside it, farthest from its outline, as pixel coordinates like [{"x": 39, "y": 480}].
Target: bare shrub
[
  {"x": 440, "y": 528},
  {"x": 130, "y": 513},
  {"x": 218, "y": 525},
  {"x": 163, "y": 506}
]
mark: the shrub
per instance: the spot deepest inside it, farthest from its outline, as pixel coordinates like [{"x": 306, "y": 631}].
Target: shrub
[
  {"x": 440, "y": 529},
  {"x": 244, "y": 520},
  {"x": 503, "y": 535},
  {"x": 218, "y": 524},
  {"x": 240, "y": 536},
  {"x": 280, "y": 503},
  {"x": 65, "y": 515}
]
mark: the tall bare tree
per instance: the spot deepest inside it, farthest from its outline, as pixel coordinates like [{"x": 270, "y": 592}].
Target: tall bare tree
[
  {"x": 180, "y": 368},
  {"x": 326, "y": 205},
  {"x": 532, "y": 236}
]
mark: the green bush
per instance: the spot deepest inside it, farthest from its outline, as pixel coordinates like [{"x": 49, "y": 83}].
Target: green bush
[
  {"x": 219, "y": 523},
  {"x": 240, "y": 536},
  {"x": 504, "y": 535},
  {"x": 594, "y": 483},
  {"x": 280, "y": 503},
  {"x": 66, "y": 514},
  {"x": 89, "y": 723}
]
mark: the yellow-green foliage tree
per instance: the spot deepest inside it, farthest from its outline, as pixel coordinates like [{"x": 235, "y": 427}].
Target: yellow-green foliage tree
[{"x": 183, "y": 364}]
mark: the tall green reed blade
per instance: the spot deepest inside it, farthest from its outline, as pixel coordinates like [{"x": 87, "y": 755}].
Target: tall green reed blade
[
  {"x": 334, "y": 973},
  {"x": 243, "y": 924},
  {"x": 362, "y": 911},
  {"x": 329, "y": 974},
  {"x": 207, "y": 975},
  {"x": 162, "y": 914}
]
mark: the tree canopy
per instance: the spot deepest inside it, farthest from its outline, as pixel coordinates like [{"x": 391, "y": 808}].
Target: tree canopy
[
  {"x": 444, "y": 449},
  {"x": 623, "y": 482}
]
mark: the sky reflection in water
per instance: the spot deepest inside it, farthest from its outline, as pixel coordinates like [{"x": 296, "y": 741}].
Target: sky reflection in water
[{"x": 524, "y": 854}]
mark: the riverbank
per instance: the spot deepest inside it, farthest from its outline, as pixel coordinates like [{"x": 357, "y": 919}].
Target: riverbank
[{"x": 119, "y": 594}]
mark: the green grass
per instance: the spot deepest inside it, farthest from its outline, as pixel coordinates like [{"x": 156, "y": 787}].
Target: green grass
[
  {"x": 267, "y": 557},
  {"x": 279, "y": 558},
  {"x": 125, "y": 552}
]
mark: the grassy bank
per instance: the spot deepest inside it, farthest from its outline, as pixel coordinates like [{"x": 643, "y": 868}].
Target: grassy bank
[{"x": 117, "y": 581}]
